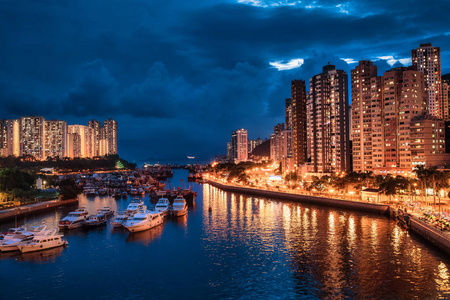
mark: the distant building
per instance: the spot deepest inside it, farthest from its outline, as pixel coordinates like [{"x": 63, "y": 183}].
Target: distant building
[
  {"x": 427, "y": 60},
  {"x": 330, "y": 144},
  {"x": 73, "y": 149},
  {"x": 110, "y": 135},
  {"x": 96, "y": 134},
  {"x": 55, "y": 138},
  {"x": 32, "y": 137},
  {"x": 239, "y": 145}
]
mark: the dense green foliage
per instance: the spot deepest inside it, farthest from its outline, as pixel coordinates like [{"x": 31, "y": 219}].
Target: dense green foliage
[
  {"x": 68, "y": 189},
  {"x": 106, "y": 163}
]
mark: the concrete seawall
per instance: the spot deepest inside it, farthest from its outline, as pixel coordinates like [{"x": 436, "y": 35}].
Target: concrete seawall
[
  {"x": 432, "y": 235},
  {"x": 23, "y": 211},
  {"x": 338, "y": 203}
]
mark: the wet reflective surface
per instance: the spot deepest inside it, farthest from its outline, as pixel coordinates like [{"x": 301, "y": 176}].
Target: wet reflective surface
[{"x": 231, "y": 246}]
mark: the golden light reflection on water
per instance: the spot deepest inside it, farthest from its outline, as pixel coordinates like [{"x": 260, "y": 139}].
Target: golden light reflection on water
[{"x": 340, "y": 254}]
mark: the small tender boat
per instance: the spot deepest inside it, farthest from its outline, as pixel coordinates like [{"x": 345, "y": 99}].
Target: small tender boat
[
  {"x": 74, "y": 219},
  {"x": 120, "y": 219},
  {"x": 107, "y": 211},
  {"x": 96, "y": 220},
  {"x": 143, "y": 220},
  {"x": 179, "y": 206},
  {"x": 163, "y": 206},
  {"x": 41, "y": 242}
]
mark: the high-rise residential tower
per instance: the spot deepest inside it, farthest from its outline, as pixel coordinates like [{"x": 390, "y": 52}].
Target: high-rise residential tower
[
  {"x": 427, "y": 60},
  {"x": 31, "y": 136},
  {"x": 361, "y": 113},
  {"x": 298, "y": 124},
  {"x": 55, "y": 138},
  {"x": 96, "y": 133},
  {"x": 239, "y": 145},
  {"x": 110, "y": 135},
  {"x": 330, "y": 144}
]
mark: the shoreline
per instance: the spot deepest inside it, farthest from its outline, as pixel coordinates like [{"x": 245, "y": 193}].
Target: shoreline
[
  {"x": 22, "y": 211},
  {"x": 418, "y": 227}
]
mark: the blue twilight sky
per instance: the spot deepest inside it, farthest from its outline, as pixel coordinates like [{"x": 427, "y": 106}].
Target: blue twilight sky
[{"x": 179, "y": 76}]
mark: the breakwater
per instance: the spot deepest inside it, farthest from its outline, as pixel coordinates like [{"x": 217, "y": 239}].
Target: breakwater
[
  {"x": 382, "y": 209},
  {"x": 22, "y": 211},
  {"x": 426, "y": 231}
]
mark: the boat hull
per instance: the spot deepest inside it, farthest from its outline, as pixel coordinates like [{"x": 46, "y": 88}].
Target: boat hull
[
  {"x": 36, "y": 247},
  {"x": 142, "y": 226},
  {"x": 179, "y": 213}
]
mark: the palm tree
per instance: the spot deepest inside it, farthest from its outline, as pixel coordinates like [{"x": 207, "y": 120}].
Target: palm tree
[{"x": 422, "y": 174}]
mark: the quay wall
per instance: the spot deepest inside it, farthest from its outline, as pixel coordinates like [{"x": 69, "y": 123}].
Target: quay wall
[
  {"x": 338, "y": 203},
  {"x": 432, "y": 235},
  {"x": 22, "y": 211}
]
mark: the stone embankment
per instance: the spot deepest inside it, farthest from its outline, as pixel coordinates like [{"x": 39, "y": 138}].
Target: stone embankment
[
  {"x": 22, "y": 211},
  {"x": 338, "y": 203},
  {"x": 432, "y": 235}
]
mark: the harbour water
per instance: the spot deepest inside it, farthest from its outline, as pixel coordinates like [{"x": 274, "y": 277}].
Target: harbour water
[{"x": 231, "y": 246}]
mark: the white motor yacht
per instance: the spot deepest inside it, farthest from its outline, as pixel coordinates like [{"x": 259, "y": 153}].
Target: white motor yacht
[
  {"x": 163, "y": 206},
  {"x": 74, "y": 219},
  {"x": 23, "y": 236},
  {"x": 12, "y": 232},
  {"x": 179, "y": 206},
  {"x": 106, "y": 211},
  {"x": 96, "y": 220},
  {"x": 143, "y": 220},
  {"x": 41, "y": 242}
]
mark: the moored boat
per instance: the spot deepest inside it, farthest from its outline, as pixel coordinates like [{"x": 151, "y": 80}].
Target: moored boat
[
  {"x": 179, "y": 206},
  {"x": 163, "y": 206},
  {"x": 24, "y": 236},
  {"x": 121, "y": 218},
  {"x": 74, "y": 219},
  {"x": 143, "y": 220},
  {"x": 41, "y": 242},
  {"x": 107, "y": 211},
  {"x": 96, "y": 220}
]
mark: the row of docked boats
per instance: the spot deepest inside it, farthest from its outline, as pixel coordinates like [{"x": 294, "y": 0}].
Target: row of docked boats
[
  {"x": 37, "y": 238},
  {"x": 81, "y": 217},
  {"x": 138, "y": 218}
]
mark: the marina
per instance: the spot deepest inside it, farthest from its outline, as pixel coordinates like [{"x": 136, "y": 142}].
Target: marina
[{"x": 230, "y": 244}]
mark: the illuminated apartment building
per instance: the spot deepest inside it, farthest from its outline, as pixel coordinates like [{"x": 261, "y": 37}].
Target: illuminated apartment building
[
  {"x": 239, "y": 145},
  {"x": 73, "y": 148},
  {"x": 110, "y": 135},
  {"x": 32, "y": 137},
  {"x": 86, "y": 139},
  {"x": 361, "y": 113},
  {"x": 96, "y": 132},
  {"x": 55, "y": 138},
  {"x": 329, "y": 121},
  {"x": 296, "y": 117},
  {"x": 427, "y": 60}
]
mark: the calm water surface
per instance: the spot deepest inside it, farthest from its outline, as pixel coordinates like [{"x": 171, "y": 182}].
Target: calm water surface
[{"x": 244, "y": 248}]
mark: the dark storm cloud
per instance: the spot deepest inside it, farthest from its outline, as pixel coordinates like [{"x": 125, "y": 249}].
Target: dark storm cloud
[{"x": 175, "y": 72}]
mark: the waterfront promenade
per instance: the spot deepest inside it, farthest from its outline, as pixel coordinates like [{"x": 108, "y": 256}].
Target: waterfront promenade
[{"x": 413, "y": 219}]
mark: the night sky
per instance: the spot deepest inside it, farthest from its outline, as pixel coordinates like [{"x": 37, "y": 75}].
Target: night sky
[{"x": 179, "y": 76}]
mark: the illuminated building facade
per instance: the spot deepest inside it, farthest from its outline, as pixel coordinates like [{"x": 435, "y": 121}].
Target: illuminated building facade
[
  {"x": 296, "y": 119},
  {"x": 55, "y": 138},
  {"x": 239, "y": 145},
  {"x": 32, "y": 137},
  {"x": 329, "y": 121},
  {"x": 427, "y": 60}
]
